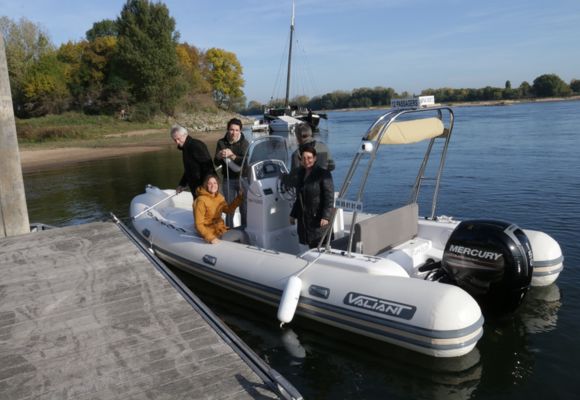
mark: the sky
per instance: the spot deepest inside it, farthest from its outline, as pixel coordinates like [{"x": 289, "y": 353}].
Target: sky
[{"x": 409, "y": 45}]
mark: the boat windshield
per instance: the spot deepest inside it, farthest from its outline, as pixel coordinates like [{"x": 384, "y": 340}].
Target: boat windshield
[{"x": 267, "y": 148}]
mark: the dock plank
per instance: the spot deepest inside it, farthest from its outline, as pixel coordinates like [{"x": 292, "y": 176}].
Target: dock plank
[{"x": 85, "y": 315}]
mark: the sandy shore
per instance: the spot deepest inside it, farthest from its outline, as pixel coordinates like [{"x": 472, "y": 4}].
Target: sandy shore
[{"x": 116, "y": 145}]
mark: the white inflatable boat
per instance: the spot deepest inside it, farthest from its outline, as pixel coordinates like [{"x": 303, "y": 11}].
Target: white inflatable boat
[{"x": 416, "y": 282}]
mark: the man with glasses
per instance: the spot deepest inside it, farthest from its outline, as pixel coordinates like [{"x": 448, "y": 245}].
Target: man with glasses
[{"x": 304, "y": 137}]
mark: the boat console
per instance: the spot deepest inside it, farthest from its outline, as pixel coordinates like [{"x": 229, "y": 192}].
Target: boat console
[{"x": 268, "y": 209}]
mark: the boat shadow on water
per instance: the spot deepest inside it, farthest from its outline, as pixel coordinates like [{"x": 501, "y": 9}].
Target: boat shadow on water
[
  {"x": 373, "y": 369},
  {"x": 509, "y": 342}
]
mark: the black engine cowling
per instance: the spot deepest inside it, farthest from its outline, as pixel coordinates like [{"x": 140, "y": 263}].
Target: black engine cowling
[{"x": 492, "y": 261}]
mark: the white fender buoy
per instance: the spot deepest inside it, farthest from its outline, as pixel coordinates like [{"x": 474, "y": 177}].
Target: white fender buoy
[{"x": 289, "y": 300}]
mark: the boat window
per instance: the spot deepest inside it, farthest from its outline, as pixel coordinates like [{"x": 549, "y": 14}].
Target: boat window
[
  {"x": 268, "y": 169},
  {"x": 268, "y": 148}
]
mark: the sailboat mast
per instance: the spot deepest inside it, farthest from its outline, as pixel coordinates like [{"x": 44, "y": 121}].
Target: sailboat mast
[{"x": 287, "y": 98}]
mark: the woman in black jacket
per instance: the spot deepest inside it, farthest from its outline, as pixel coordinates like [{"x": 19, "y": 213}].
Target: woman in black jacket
[{"x": 314, "y": 199}]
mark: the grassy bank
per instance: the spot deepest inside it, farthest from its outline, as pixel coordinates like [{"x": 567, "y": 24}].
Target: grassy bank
[{"x": 75, "y": 129}]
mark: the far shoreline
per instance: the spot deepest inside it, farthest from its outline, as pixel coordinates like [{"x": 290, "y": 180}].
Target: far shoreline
[
  {"x": 482, "y": 103},
  {"x": 59, "y": 154}
]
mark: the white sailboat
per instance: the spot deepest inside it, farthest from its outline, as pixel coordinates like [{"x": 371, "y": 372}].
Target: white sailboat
[{"x": 284, "y": 119}]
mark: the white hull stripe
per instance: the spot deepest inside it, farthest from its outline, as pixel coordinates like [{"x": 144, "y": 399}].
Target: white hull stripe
[
  {"x": 386, "y": 329},
  {"x": 549, "y": 263},
  {"x": 547, "y": 271}
]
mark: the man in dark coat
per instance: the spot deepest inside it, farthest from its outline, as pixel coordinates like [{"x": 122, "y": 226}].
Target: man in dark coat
[
  {"x": 304, "y": 138},
  {"x": 230, "y": 151},
  {"x": 197, "y": 162},
  {"x": 314, "y": 199}
]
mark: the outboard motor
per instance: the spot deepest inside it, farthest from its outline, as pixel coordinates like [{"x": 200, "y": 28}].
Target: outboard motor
[{"x": 492, "y": 261}]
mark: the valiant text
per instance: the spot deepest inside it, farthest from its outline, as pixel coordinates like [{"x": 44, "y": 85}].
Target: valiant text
[{"x": 380, "y": 305}]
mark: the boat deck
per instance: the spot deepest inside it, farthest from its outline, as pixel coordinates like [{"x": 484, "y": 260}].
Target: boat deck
[{"x": 86, "y": 314}]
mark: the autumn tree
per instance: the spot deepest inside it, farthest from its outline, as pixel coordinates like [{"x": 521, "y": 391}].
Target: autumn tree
[
  {"x": 224, "y": 73},
  {"x": 88, "y": 66},
  {"x": 198, "y": 90},
  {"x": 44, "y": 87},
  {"x": 26, "y": 43},
  {"x": 70, "y": 54},
  {"x": 190, "y": 61}
]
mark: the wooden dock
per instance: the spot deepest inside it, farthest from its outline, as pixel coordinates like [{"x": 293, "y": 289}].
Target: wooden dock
[{"x": 85, "y": 313}]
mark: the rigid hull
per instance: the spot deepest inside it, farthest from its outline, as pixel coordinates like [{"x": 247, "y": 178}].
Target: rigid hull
[
  {"x": 370, "y": 296},
  {"x": 416, "y": 282}
]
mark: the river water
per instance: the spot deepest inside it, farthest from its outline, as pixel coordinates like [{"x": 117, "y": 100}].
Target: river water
[{"x": 516, "y": 163}]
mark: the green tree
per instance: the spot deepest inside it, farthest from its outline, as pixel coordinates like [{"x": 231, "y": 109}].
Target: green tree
[
  {"x": 225, "y": 76},
  {"x": 575, "y": 85},
  {"x": 106, "y": 27},
  {"x": 146, "y": 59},
  {"x": 238, "y": 103},
  {"x": 508, "y": 93},
  {"x": 525, "y": 90},
  {"x": 333, "y": 100},
  {"x": 550, "y": 85},
  {"x": 382, "y": 96},
  {"x": 254, "y": 108},
  {"x": 300, "y": 101},
  {"x": 491, "y": 93}
]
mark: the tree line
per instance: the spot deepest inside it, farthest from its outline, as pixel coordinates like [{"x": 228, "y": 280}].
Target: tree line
[
  {"x": 134, "y": 65},
  {"x": 547, "y": 85}
]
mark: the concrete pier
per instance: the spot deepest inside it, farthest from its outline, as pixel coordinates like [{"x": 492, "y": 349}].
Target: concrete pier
[
  {"x": 86, "y": 314},
  {"x": 13, "y": 210}
]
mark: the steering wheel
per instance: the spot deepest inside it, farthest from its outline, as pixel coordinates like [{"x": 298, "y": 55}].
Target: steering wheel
[{"x": 285, "y": 186}]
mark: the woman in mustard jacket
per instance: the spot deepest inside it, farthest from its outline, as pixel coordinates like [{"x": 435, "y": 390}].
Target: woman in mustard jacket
[{"x": 207, "y": 211}]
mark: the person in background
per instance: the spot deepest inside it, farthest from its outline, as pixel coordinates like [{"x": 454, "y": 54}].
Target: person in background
[
  {"x": 304, "y": 137},
  {"x": 314, "y": 199},
  {"x": 197, "y": 162},
  {"x": 230, "y": 151},
  {"x": 207, "y": 211}
]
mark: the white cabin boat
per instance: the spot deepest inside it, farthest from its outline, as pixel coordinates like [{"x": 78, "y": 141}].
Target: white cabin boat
[
  {"x": 260, "y": 126},
  {"x": 415, "y": 282},
  {"x": 283, "y": 123}
]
